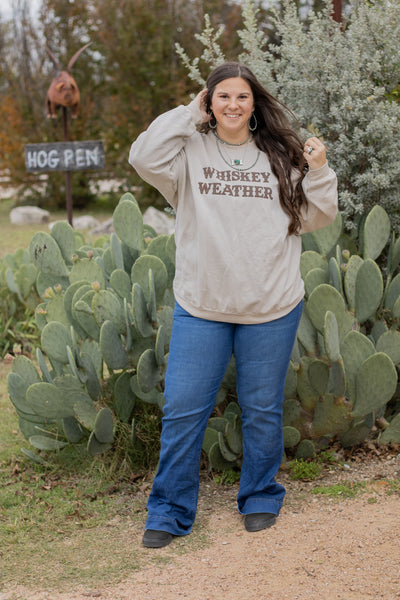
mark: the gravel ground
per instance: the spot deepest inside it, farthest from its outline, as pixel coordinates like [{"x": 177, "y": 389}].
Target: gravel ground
[{"x": 320, "y": 548}]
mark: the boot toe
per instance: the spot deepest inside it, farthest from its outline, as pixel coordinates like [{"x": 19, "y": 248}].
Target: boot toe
[
  {"x": 153, "y": 538},
  {"x": 259, "y": 521}
]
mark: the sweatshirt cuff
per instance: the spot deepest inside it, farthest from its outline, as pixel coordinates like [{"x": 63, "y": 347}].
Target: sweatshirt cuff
[
  {"x": 195, "y": 111},
  {"x": 320, "y": 171}
]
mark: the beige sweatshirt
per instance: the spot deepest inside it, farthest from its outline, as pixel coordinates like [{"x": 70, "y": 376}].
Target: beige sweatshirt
[{"x": 235, "y": 261}]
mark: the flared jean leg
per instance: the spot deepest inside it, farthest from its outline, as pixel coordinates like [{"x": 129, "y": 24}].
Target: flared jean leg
[
  {"x": 199, "y": 354},
  {"x": 262, "y": 355}
]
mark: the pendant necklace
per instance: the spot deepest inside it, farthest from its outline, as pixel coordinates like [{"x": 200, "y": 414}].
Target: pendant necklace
[{"x": 236, "y": 163}]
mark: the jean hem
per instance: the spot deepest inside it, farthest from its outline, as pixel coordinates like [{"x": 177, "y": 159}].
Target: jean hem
[
  {"x": 165, "y": 524},
  {"x": 261, "y": 505}
]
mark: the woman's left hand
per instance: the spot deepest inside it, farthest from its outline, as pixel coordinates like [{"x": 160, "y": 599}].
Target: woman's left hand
[{"x": 314, "y": 153}]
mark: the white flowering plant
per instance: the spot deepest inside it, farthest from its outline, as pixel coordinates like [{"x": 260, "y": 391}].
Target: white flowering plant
[{"x": 341, "y": 80}]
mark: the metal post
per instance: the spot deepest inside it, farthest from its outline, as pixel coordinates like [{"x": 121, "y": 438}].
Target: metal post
[{"x": 68, "y": 187}]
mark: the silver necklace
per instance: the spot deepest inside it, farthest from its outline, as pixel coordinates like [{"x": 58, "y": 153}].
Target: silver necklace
[
  {"x": 236, "y": 163},
  {"x": 229, "y": 143}
]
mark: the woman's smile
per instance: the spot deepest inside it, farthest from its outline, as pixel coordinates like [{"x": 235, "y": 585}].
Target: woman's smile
[{"x": 232, "y": 104}]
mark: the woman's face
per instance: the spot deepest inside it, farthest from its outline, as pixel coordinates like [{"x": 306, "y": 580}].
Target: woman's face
[{"x": 232, "y": 103}]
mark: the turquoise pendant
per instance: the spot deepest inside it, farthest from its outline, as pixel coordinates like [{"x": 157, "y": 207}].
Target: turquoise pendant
[{"x": 235, "y": 162}]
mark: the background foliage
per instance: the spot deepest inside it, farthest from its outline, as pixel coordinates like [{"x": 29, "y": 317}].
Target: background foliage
[
  {"x": 129, "y": 74},
  {"x": 341, "y": 80}
]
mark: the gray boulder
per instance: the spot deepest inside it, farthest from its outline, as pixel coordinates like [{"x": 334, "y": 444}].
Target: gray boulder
[
  {"x": 160, "y": 221},
  {"x": 83, "y": 222},
  {"x": 28, "y": 215}
]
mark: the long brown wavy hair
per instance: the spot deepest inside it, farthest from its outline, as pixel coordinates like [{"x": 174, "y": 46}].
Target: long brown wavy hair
[{"x": 274, "y": 135}]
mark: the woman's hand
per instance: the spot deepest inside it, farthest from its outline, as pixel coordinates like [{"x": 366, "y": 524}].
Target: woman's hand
[
  {"x": 314, "y": 153},
  {"x": 201, "y": 101}
]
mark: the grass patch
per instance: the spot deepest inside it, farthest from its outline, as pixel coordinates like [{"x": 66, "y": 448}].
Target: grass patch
[
  {"x": 393, "y": 486},
  {"x": 310, "y": 469},
  {"x": 78, "y": 522},
  {"x": 304, "y": 469},
  {"x": 74, "y": 522},
  {"x": 228, "y": 477},
  {"x": 55, "y": 526},
  {"x": 13, "y": 237},
  {"x": 340, "y": 490}
]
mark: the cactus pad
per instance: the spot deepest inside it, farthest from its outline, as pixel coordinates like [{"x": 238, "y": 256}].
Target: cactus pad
[
  {"x": 54, "y": 340},
  {"x": 328, "y": 237},
  {"x": 392, "y": 432},
  {"x": 104, "y": 426},
  {"x": 140, "y": 275},
  {"x": 369, "y": 290},
  {"x": 376, "y": 232},
  {"x": 113, "y": 351},
  {"x": 124, "y": 397},
  {"x": 331, "y": 336},
  {"x": 332, "y": 415},
  {"x": 47, "y": 401},
  {"x": 128, "y": 224},
  {"x": 310, "y": 260},
  {"x": 87, "y": 270},
  {"x": 306, "y": 449},
  {"x": 148, "y": 371},
  {"x": 291, "y": 437},
  {"x": 389, "y": 343},
  {"x": 375, "y": 384},
  {"x": 46, "y": 255},
  {"x": 323, "y": 298}
]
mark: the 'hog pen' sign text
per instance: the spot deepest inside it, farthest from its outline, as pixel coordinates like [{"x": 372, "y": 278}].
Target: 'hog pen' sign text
[{"x": 64, "y": 156}]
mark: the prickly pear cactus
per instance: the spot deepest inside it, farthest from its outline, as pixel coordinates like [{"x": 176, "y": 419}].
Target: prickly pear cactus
[
  {"x": 105, "y": 320},
  {"x": 18, "y": 275},
  {"x": 105, "y": 317},
  {"x": 348, "y": 338}
]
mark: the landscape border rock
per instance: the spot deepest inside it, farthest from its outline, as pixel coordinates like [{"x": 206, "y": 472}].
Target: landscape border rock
[{"x": 27, "y": 215}]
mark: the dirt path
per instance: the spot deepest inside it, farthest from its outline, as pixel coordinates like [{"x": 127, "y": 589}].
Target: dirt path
[{"x": 321, "y": 548}]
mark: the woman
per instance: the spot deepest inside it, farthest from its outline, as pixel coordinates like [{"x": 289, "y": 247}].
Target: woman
[{"x": 243, "y": 187}]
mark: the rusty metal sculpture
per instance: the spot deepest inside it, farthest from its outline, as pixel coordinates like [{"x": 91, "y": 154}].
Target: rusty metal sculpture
[{"x": 63, "y": 90}]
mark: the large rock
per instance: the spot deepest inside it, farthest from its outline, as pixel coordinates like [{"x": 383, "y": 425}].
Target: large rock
[
  {"x": 85, "y": 222},
  {"x": 159, "y": 221},
  {"x": 27, "y": 215},
  {"x": 82, "y": 222},
  {"x": 107, "y": 227}
]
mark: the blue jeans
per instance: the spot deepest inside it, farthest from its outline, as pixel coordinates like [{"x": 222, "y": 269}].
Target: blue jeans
[{"x": 200, "y": 351}]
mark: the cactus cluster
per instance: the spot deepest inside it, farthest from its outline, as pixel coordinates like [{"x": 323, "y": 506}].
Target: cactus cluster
[
  {"x": 343, "y": 370},
  {"x": 18, "y": 298},
  {"x": 342, "y": 374},
  {"x": 106, "y": 313},
  {"x": 105, "y": 318},
  {"x": 18, "y": 276}
]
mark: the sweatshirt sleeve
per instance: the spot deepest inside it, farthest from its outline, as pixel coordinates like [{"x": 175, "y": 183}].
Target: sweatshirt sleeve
[
  {"x": 320, "y": 188},
  {"x": 158, "y": 153}
]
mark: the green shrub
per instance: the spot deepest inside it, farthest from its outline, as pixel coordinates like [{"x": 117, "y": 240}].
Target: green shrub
[{"x": 306, "y": 470}]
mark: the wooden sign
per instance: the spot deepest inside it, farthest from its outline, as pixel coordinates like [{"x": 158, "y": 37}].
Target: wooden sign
[{"x": 64, "y": 156}]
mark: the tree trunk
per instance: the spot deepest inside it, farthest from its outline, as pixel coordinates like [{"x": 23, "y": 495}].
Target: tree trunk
[{"x": 337, "y": 11}]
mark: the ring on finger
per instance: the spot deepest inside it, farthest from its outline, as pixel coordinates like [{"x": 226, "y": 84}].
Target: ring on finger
[{"x": 309, "y": 149}]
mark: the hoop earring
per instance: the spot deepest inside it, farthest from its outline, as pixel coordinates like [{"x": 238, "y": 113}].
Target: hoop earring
[
  {"x": 253, "y": 127},
  {"x": 212, "y": 126}
]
